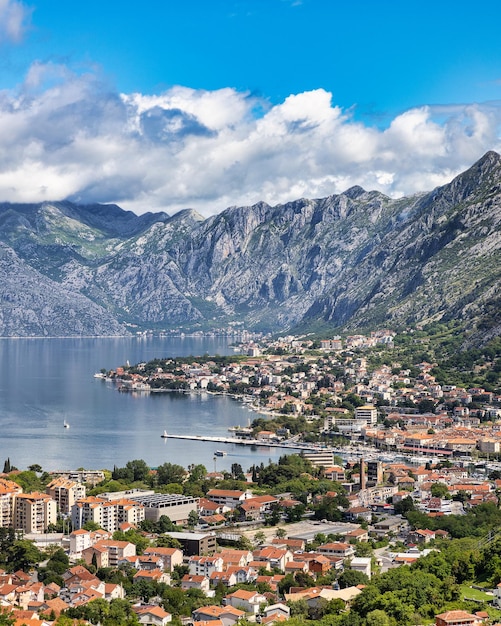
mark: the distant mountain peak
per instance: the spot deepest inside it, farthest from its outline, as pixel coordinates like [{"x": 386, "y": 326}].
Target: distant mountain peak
[
  {"x": 187, "y": 214},
  {"x": 354, "y": 192}
]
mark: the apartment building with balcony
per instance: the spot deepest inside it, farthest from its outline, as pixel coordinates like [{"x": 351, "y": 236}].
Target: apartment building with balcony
[{"x": 34, "y": 512}]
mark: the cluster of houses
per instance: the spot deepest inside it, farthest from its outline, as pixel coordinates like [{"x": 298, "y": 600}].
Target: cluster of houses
[
  {"x": 463, "y": 419},
  {"x": 374, "y": 489}
]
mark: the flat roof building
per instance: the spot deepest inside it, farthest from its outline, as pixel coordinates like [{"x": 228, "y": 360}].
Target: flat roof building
[
  {"x": 175, "y": 506},
  {"x": 196, "y": 543}
]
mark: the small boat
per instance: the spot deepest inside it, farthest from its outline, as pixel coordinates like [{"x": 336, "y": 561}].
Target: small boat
[
  {"x": 220, "y": 453},
  {"x": 165, "y": 435},
  {"x": 65, "y": 424}
]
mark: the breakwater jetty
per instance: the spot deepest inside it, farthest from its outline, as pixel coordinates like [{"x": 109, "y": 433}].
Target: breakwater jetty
[
  {"x": 346, "y": 453},
  {"x": 245, "y": 442}
]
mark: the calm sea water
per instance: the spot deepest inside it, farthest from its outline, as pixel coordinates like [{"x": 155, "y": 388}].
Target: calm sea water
[{"x": 44, "y": 382}]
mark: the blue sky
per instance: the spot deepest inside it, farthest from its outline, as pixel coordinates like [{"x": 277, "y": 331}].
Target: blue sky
[{"x": 162, "y": 105}]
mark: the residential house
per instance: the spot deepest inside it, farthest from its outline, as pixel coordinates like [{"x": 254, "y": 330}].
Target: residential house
[
  {"x": 248, "y": 601},
  {"x": 293, "y": 567},
  {"x": 153, "y": 575},
  {"x": 361, "y": 564},
  {"x": 457, "y": 618},
  {"x": 318, "y": 564},
  {"x": 337, "y": 548},
  {"x": 358, "y": 512},
  {"x": 30, "y": 592},
  {"x": 227, "y": 497},
  {"x": 235, "y": 558},
  {"x": 393, "y": 525},
  {"x": 108, "y": 514},
  {"x": 152, "y": 615},
  {"x": 359, "y": 534},
  {"x": 227, "y": 614},
  {"x": 420, "y": 536},
  {"x": 205, "y": 565},
  {"x": 208, "y": 507},
  {"x": 79, "y": 541},
  {"x": 227, "y": 578},
  {"x": 335, "y": 472},
  {"x": 276, "y": 557},
  {"x": 170, "y": 556},
  {"x": 194, "y": 581},
  {"x": 290, "y": 544},
  {"x": 280, "y": 608},
  {"x": 115, "y": 550},
  {"x": 256, "y": 508}
]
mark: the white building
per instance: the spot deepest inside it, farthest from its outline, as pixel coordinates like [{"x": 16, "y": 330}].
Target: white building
[
  {"x": 361, "y": 564},
  {"x": 368, "y": 413}
]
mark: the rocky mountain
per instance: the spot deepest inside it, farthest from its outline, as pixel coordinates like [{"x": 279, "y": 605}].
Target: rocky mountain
[{"x": 355, "y": 260}]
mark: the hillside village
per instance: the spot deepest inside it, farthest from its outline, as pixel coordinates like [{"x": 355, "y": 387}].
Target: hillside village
[{"x": 400, "y": 529}]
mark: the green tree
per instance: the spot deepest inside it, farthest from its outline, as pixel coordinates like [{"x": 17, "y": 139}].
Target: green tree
[
  {"x": 352, "y": 578},
  {"x": 170, "y": 473},
  {"x": 237, "y": 472},
  {"x": 59, "y": 560},
  {"x": 28, "y": 480},
  {"x": 295, "y": 513},
  {"x": 140, "y": 471},
  {"x": 23, "y": 555},
  {"x": 197, "y": 473},
  {"x": 192, "y": 518},
  {"x": 439, "y": 490},
  {"x": 259, "y": 538},
  {"x": 378, "y": 618},
  {"x": 6, "y": 617},
  {"x": 404, "y": 505},
  {"x": 363, "y": 549},
  {"x": 133, "y": 536},
  {"x": 299, "y": 608}
]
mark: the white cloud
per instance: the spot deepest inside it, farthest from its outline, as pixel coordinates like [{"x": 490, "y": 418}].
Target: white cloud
[
  {"x": 14, "y": 18},
  {"x": 71, "y": 136}
]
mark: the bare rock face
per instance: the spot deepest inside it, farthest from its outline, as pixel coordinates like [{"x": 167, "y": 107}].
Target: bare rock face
[{"x": 353, "y": 260}]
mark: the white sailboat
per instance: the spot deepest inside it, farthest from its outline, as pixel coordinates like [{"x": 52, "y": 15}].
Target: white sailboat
[
  {"x": 65, "y": 424},
  {"x": 165, "y": 435}
]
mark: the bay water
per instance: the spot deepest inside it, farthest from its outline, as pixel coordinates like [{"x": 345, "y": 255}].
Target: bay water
[{"x": 45, "y": 382}]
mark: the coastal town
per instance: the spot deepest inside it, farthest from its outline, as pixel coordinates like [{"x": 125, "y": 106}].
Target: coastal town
[
  {"x": 393, "y": 487},
  {"x": 335, "y": 395}
]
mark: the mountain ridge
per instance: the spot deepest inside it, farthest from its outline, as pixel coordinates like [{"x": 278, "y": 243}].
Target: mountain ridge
[{"x": 352, "y": 260}]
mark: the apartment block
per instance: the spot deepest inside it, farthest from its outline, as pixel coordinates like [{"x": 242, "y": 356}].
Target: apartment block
[
  {"x": 109, "y": 515},
  {"x": 367, "y": 413},
  {"x": 8, "y": 490},
  {"x": 34, "y": 512},
  {"x": 65, "y": 492}
]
